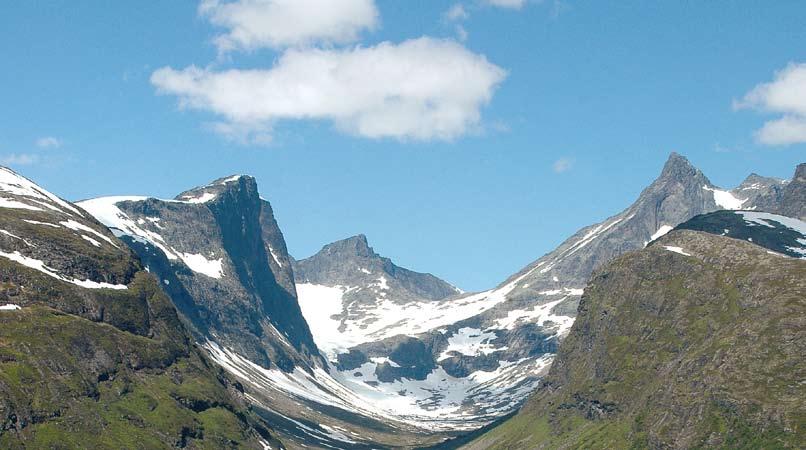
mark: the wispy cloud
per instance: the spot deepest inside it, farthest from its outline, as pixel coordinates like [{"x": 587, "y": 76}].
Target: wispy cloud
[
  {"x": 457, "y": 12},
  {"x": 19, "y": 159},
  {"x": 562, "y": 165},
  {"x": 785, "y": 95},
  {"x": 48, "y": 142},
  {"x": 420, "y": 89},
  {"x": 255, "y": 24},
  {"x": 511, "y": 4}
]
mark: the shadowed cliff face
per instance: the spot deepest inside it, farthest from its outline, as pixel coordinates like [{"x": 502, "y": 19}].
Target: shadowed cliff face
[
  {"x": 223, "y": 261},
  {"x": 793, "y": 198}
]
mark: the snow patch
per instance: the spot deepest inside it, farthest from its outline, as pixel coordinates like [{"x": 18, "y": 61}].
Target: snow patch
[
  {"x": 41, "y": 267},
  {"x": 204, "y": 198},
  {"x": 20, "y": 186},
  {"x": 10, "y": 307},
  {"x": 676, "y": 250},
  {"x": 47, "y": 224},
  {"x": 212, "y": 268},
  {"x": 760, "y": 218},
  {"x": 661, "y": 232},
  {"x": 725, "y": 199}
]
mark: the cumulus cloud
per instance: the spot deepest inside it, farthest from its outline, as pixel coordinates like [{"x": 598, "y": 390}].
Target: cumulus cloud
[
  {"x": 255, "y": 24},
  {"x": 511, "y": 4},
  {"x": 19, "y": 159},
  {"x": 785, "y": 95},
  {"x": 419, "y": 89},
  {"x": 48, "y": 142},
  {"x": 562, "y": 165}
]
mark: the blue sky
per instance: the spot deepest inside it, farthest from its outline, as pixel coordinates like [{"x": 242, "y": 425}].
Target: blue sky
[{"x": 542, "y": 118}]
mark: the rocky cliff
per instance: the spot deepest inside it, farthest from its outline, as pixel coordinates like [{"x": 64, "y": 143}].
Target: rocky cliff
[
  {"x": 92, "y": 352},
  {"x": 222, "y": 259}
]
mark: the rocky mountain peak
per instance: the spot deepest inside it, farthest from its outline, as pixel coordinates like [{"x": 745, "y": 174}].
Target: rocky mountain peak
[
  {"x": 793, "y": 196},
  {"x": 755, "y": 179},
  {"x": 800, "y": 173},
  {"x": 235, "y": 185},
  {"x": 355, "y": 246},
  {"x": 677, "y": 167}
]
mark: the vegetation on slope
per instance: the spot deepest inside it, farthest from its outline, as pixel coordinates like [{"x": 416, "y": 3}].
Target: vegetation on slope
[{"x": 677, "y": 351}]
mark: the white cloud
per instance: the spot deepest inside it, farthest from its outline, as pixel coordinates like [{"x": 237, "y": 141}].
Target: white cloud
[
  {"x": 562, "y": 165},
  {"x": 19, "y": 159},
  {"x": 48, "y": 142},
  {"x": 511, "y": 4},
  {"x": 254, "y": 24},
  {"x": 785, "y": 95},
  {"x": 419, "y": 89}
]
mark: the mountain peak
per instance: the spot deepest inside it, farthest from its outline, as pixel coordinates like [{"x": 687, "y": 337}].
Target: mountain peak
[
  {"x": 208, "y": 192},
  {"x": 352, "y": 246},
  {"x": 677, "y": 167},
  {"x": 800, "y": 173}
]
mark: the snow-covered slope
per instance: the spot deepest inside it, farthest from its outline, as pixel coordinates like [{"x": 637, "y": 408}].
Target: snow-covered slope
[{"x": 52, "y": 236}]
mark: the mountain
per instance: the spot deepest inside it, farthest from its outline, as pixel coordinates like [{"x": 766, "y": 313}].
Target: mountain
[
  {"x": 695, "y": 341},
  {"x": 462, "y": 361},
  {"x": 92, "y": 352},
  {"x": 222, "y": 259},
  {"x": 762, "y": 193},
  {"x": 371, "y": 284}
]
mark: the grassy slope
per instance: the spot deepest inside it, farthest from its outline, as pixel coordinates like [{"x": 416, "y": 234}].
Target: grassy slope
[
  {"x": 100, "y": 368},
  {"x": 671, "y": 351}
]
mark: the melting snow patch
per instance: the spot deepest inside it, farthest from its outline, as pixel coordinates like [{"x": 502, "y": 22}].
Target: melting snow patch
[
  {"x": 40, "y": 266},
  {"x": 13, "y": 204},
  {"x": 760, "y": 218},
  {"x": 90, "y": 240},
  {"x": 274, "y": 256},
  {"x": 676, "y": 250},
  {"x": 471, "y": 342},
  {"x": 725, "y": 199},
  {"x": 20, "y": 186},
  {"x": 661, "y": 232},
  {"x": 9, "y": 307},
  {"x": 75, "y": 226},
  {"x": 36, "y": 222},
  {"x": 199, "y": 264},
  {"x": 204, "y": 198}
]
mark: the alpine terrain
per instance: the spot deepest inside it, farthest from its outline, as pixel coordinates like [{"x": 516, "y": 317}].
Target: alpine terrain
[
  {"x": 92, "y": 351},
  {"x": 202, "y": 303}
]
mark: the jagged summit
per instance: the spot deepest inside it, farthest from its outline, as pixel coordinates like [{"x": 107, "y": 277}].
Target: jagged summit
[
  {"x": 352, "y": 246},
  {"x": 678, "y": 167},
  {"x": 793, "y": 197},
  {"x": 211, "y": 191},
  {"x": 352, "y": 262}
]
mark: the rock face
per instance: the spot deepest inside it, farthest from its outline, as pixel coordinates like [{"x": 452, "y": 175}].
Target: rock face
[
  {"x": 793, "y": 197},
  {"x": 762, "y": 193},
  {"x": 695, "y": 341},
  {"x": 92, "y": 352},
  {"x": 369, "y": 286},
  {"x": 352, "y": 262},
  {"x": 222, "y": 259}
]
